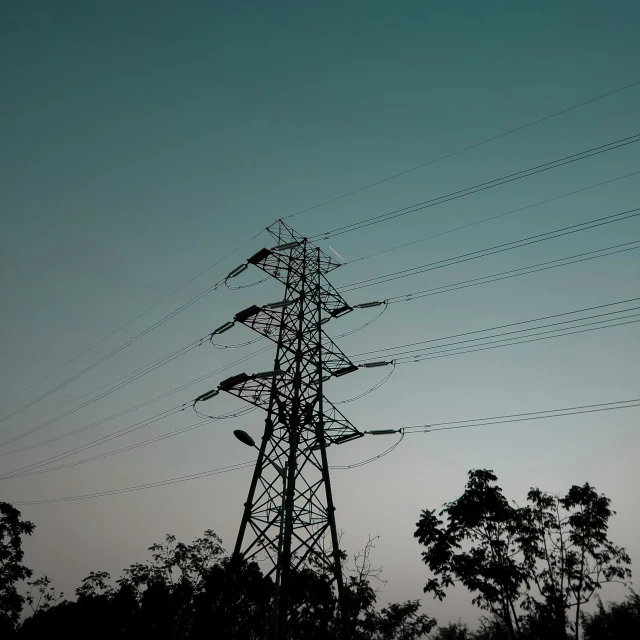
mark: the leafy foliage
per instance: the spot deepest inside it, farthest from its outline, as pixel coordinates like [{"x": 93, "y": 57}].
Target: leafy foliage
[
  {"x": 191, "y": 591},
  {"x": 12, "y": 529},
  {"x": 615, "y": 621},
  {"x": 547, "y": 558}
]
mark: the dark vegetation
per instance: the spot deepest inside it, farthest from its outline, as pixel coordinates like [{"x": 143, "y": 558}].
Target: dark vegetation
[{"x": 531, "y": 568}]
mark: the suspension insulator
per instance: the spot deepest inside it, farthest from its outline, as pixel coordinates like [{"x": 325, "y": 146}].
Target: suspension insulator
[
  {"x": 284, "y": 247},
  {"x": 344, "y": 371},
  {"x": 268, "y": 374},
  {"x": 207, "y": 396},
  {"x": 238, "y": 270},
  {"x": 225, "y": 327}
]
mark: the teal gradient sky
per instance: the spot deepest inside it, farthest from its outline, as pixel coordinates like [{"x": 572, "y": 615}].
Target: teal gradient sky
[{"x": 142, "y": 141}]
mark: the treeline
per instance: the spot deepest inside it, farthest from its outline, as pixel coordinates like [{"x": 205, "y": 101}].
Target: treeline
[{"x": 531, "y": 568}]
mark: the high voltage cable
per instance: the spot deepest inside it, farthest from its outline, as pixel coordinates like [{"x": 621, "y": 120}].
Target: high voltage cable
[
  {"x": 420, "y": 358},
  {"x": 511, "y": 324},
  {"x": 111, "y": 354},
  {"x": 158, "y": 483},
  {"x": 245, "y": 465},
  {"x": 500, "y": 248},
  {"x": 513, "y": 273},
  {"x": 197, "y": 425},
  {"x": 405, "y": 354},
  {"x": 95, "y": 443},
  {"x": 473, "y": 146},
  {"x": 404, "y": 358},
  {"x": 486, "y": 424},
  {"x": 418, "y": 352},
  {"x": 138, "y": 406},
  {"x": 126, "y": 324},
  {"x": 122, "y": 384},
  {"x": 525, "y": 173},
  {"x": 126, "y": 375},
  {"x": 495, "y": 217},
  {"x": 522, "y": 417},
  {"x": 338, "y": 231},
  {"x": 487, "y": 140}
]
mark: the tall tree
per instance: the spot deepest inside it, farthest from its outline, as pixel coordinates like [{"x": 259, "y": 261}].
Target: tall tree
[
  {"x": 12, "y": 529},
  {"x": 478, "y": 547},
  {"x": 547, "y": 558},
  {"x": 568, "y": 553}
]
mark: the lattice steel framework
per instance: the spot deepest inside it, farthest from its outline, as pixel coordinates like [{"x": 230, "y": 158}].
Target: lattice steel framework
[{"x": 289, "y": 515}]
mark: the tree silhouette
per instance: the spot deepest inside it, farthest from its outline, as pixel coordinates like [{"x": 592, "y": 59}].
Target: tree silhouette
[
  {"x": 12, "y": 529},
  {"x": 545, "y": 558},
  {"x": 193, "y": 591}
]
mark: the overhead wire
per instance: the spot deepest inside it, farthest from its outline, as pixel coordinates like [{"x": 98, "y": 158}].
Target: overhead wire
[
  {"x": 120, "y": 385},
  {"x": 500, "y": 248},
  {"x": 249, "y": 464},
  {"x": 467, "y": 148},
  {"x": 94, "y": 443},
  {"x": 483, "y": 186},
  {"x": 456, "y": 345},
  {"x": 522, "y": 417},
  {"x": 371, "y": 390},
  {"x": 513, "y": 273},
  {"x": 149, "y": 485},
  {"x": 197, "y": 425},
  {"x": 494, "y": 217},
  {"x": 512, "y": 324},
  {"x": 158, "y": 361},
  {"x": 455, "y": 352},
  {"x": 487, "y": 140},
  {"x": 137, "y": 406},
  {"x": 126, "y": 324},
  {"x": 109, "y": 355}
]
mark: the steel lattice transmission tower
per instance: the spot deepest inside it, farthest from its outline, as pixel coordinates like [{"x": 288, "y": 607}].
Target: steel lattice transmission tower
[{"x": 289, "y": 515}]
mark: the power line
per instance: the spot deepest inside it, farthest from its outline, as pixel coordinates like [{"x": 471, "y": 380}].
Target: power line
[
  {"x": 500, "y": 248},
  {"x": 495, "y": 217},
  {"x": 456, "y": 346},
  {"x": 122, "y": 384},
  {"x": 445, "y": 354},
  {"x": 525, "y": 173},
  {"x": 109, "y": 355},
  {"x": 514, "y": 324},
  {"x": 95, "y": 443},
  {"x": 433, "y": 427},
  {"x": 144, "y": 443},
  {"x": 513, "y": 273},
  {"x": 528, "y": 413},
  {"x": 404, "y": 354},
  {"x": 473, "y": 146},
  {"x": 521, "y": 417},
  {"x": 159, "y": 483},
  {"x": 138, "y": 406},
  {"x": 126, "y": 324}
]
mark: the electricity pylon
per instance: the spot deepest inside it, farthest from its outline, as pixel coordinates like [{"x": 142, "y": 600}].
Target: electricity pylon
[{"x": 289, "y": 516}]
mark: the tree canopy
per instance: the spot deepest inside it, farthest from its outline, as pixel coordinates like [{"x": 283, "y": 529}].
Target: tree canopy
[{"x": 533, "y": 567}]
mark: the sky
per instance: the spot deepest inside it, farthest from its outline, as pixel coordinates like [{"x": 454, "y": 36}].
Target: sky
[{"x": 142, "y": 142}]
